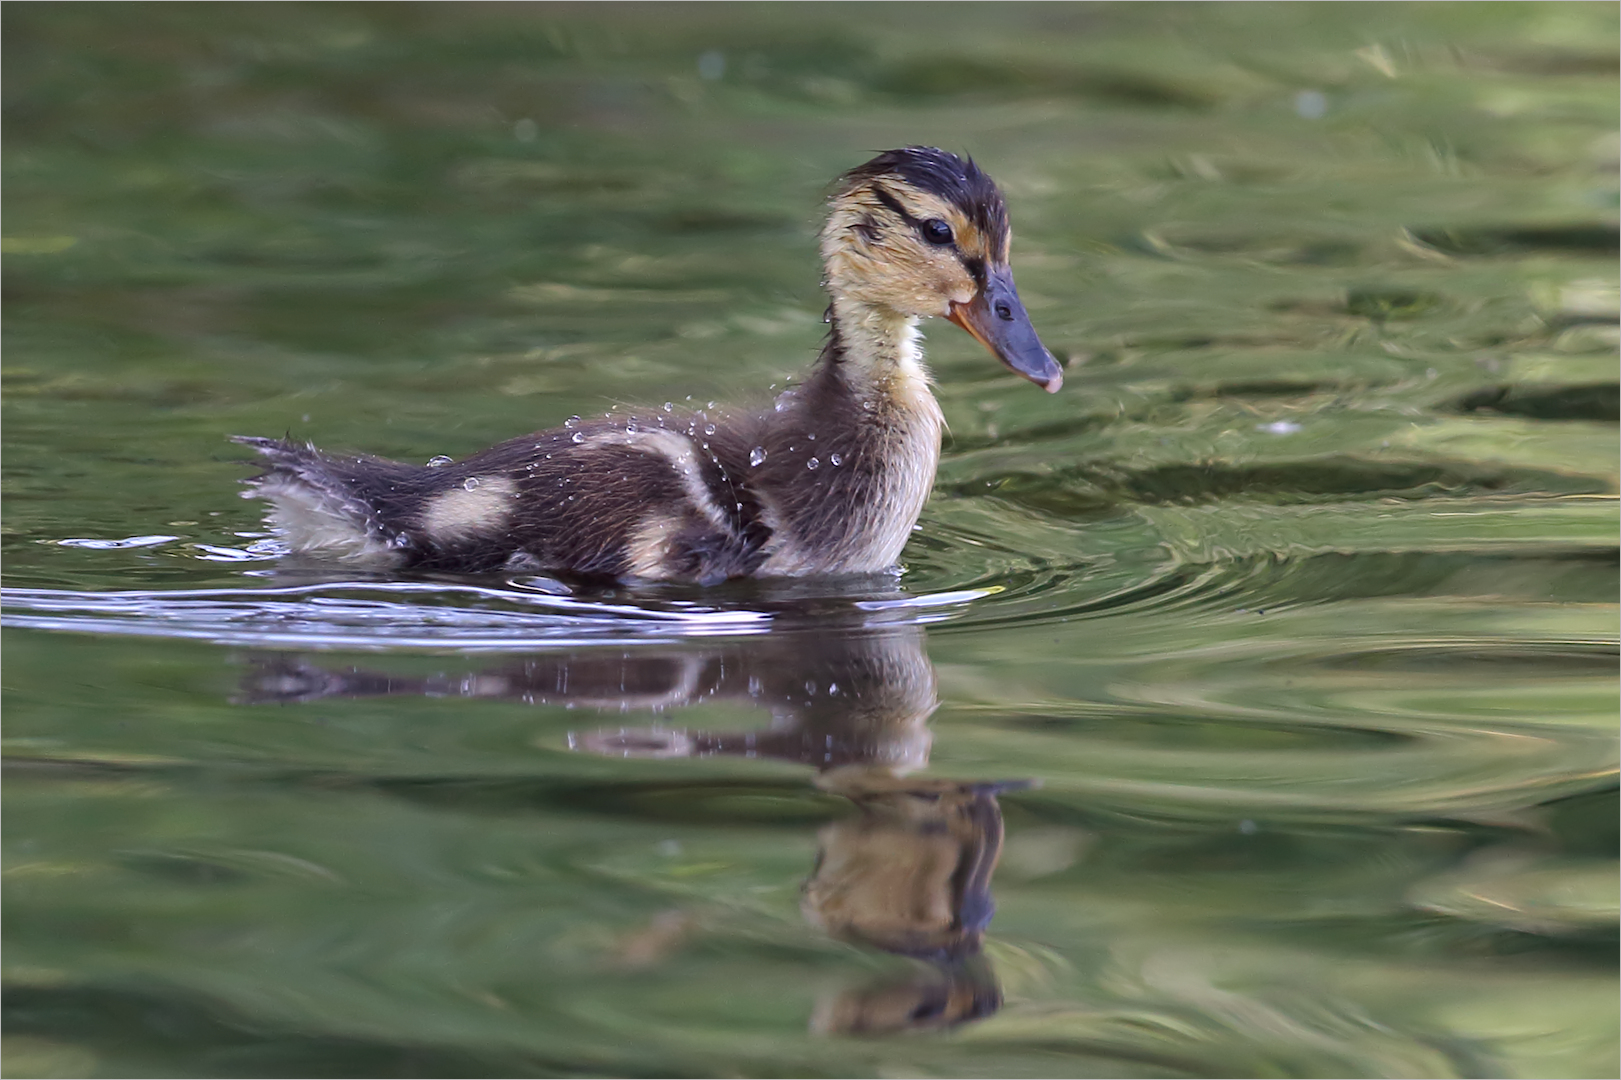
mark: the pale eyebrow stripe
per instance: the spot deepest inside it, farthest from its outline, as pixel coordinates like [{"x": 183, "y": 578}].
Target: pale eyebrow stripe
[
  {"x": 971, "y": 263},
  {"x": 895, "y": 204}
]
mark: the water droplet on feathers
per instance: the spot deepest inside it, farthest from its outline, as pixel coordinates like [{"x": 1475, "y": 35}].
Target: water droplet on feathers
[
  {"x": 471, "y": 483},
  {"x": 757, "y": 455},
  {"x": 440, "y": 461},
  {"x": 813, "y": 464},
  {"x": 709, "y": 429},
  {"x": 579, "y": 436},
  {"x": 835, "y": 459}
]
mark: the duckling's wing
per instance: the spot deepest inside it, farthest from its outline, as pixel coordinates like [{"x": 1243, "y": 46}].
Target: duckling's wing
[{"x": 623, "y": 500}]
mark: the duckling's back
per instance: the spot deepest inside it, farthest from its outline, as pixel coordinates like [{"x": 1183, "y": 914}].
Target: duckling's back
[{"x": 611, "y": 499}]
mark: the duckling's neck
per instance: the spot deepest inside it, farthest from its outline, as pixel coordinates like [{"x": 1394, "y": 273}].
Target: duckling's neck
[{"x": 878, "y": 355}]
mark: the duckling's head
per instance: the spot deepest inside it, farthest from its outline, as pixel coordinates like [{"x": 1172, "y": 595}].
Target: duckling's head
[{"x": 919, "y": 232}]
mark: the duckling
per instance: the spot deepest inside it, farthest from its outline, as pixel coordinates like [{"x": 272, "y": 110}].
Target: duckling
[{"x": 829, "y": 480}]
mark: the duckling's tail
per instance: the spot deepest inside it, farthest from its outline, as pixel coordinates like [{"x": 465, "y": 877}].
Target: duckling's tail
[{"x": 319, "y": 502}]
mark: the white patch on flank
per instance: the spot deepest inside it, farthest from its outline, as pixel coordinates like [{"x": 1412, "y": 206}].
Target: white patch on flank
[
  {"x": 462, "y": 513},
  {"x": 678, "y": 450},
  {"x": 647, "y": 552},
  {"x": 321, "y": 524}
]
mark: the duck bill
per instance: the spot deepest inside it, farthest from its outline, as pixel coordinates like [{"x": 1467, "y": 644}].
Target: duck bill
[{"x": 997, "y": 319}]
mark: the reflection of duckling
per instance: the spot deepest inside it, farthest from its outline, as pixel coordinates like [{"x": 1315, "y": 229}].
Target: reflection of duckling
[
  {"x": 828, "y": 481},
  {"x": 834, "y": 698},
  {"x": 909, "y": 873}
]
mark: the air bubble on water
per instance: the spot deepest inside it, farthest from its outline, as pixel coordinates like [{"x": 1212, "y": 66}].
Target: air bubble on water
[
  {"x": 1311, "y": 105},
  {"x": 471, "y": 483},
  {"x": 757, "y": 455},
  {"x": 440, "y": 461},
  {"x": 579, "y": 436},
  {"x": 835, "y": 459},
  {"x": 813, "y": 464}
]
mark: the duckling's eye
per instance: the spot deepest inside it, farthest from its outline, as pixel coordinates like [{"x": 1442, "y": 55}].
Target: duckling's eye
[{"x": 936, "y": 231}]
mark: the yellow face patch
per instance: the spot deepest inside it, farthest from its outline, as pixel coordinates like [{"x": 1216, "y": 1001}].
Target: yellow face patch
[{"x": 877, "y": 252}]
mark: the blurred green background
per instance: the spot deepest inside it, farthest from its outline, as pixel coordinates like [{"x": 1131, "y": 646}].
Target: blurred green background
[{"x": 1300, "y": 600}]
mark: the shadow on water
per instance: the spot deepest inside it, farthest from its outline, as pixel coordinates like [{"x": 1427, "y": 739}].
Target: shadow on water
[{"x": 908, "y": 873}]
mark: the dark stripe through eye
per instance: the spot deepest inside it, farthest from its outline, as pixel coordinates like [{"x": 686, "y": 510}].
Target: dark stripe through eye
[{"x": 934, "y": 230}]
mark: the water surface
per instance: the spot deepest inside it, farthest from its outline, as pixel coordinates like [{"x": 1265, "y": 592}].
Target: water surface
[{"x": 1247, "y": 708}]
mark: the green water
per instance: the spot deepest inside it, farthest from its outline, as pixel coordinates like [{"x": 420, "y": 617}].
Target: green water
[{"x": 1289, "y": 626}]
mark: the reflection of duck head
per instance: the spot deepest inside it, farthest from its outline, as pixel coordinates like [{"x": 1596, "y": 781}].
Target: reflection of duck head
[
  {"x": 911, "y": 874},
  {"x": 927, "y": 998}
]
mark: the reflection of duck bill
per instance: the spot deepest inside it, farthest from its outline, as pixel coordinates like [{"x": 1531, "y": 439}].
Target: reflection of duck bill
[
  {"x": 933, "y": 998},
  {"x": 912, "y": 874}
]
